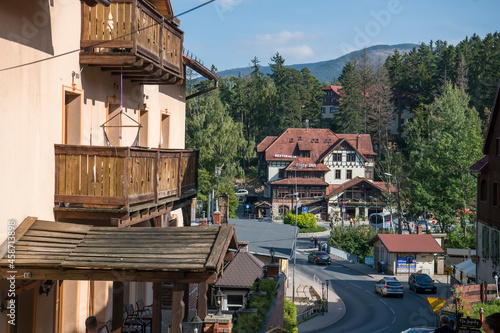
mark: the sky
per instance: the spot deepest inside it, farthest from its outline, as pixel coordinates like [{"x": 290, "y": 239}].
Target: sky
[{"x": 230, "y": 33}]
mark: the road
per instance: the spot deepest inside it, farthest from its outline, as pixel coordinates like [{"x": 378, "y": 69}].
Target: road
[{"x": 366, "y": 311}]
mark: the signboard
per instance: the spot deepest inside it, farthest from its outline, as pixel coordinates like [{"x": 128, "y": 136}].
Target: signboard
[
  {"x": 468, "y": 325},
  {"x": 402, "y": 264},
  {"x": 448, "y": 270},
  {"x": 304, "y": 210},
  {"x": 369, "y": 261},
  {"x": 436, "y": 303},
  {"x": 450, "y": 315},
  {"x": 343, "y": 208}
]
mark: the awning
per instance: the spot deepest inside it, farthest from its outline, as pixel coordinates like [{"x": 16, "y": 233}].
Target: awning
[{"x": 68, "y": 251}]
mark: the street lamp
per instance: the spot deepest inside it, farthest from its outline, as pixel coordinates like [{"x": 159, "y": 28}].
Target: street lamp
[
  {"x": 219, "y": 297},
  {"x": 283, "y": 205},
  {"x": 496, "y": 283},
  {"x": 196, "y": 324},
  {"x": 390, "y": 194},
  {"x": 272, "y": 252}
]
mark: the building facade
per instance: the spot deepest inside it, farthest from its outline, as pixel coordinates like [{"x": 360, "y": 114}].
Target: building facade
[
  {"x": 331, "y": 101},
  {"x": 488, "y": 206},
  {"x": 316, "y": 164},
  {"x": 95, "y": 135}
]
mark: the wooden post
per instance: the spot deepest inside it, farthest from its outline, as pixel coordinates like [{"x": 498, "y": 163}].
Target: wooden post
[
  {"x": 177, "y": 308},
  {"x": 116, "y": 323},
  {"x": 202, "y": 300},
  {"x": 186, "y": 303},
  {"x": 157, "y": 318}
]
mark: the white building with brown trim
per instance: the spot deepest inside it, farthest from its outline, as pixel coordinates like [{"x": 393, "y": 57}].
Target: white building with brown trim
[{"x": 315, "y": 163}]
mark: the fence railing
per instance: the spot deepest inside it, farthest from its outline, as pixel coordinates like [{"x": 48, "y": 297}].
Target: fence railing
[{"x": 115, "y": 177}]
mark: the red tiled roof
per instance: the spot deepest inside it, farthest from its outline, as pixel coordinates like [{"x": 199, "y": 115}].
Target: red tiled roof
[
  {"x": 336, "y": 89},
  {"x": 300, "y": 181},
  {"x": 241, "y": 272},
  {"x": 335, "y": 189},
  {"x": 265, "y": 143},
  {"x": 479, "y": 165},
  {"x": 304, "y": 146},
  {"x": 421, "y": 243},
  {"x": 285, "y": 147}
]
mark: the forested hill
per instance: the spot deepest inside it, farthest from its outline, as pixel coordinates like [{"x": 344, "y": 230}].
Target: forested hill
[{"x": 330, "y": 69}]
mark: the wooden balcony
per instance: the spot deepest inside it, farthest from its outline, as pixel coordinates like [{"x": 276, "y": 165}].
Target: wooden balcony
[
  {"x": 129, "y": 184},
  {"x": 131, "y": 38}
]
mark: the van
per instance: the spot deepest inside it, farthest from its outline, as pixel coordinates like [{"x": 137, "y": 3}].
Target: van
[{"x": 380, "y": 220}]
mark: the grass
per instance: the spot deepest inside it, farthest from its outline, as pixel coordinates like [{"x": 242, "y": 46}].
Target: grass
[
  {"x": 310, "y": 230},
  {"x": 489, "y": 308}
]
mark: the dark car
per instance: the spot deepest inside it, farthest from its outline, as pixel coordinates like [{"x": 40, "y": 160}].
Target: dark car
[
  {"x": 319, "y": 257},
  {"x": 422, "y": 283}
]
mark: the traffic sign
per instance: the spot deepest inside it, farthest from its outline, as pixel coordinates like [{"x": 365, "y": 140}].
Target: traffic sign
[
  {"x": 447, "y": 270},
  {"x": 436, "y": 303},
  {"x": 448, "y": 262},
  {"x": 304, "y": 209},
  {"x": 343, "y": 208}
]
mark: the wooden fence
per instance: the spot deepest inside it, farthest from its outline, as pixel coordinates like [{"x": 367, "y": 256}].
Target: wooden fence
[{"x": 115, "y": 177}]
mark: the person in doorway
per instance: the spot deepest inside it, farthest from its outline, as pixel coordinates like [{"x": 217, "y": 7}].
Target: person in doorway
[
  {"x": 382, "y": 266},
  {"x": 489, "y": 325},
  {"x": 91, "y": 325},
  {"x": 445, "y": 327}
]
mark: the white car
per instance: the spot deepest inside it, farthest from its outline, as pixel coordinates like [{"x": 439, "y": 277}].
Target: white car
[{"x": 241, "y": 192}]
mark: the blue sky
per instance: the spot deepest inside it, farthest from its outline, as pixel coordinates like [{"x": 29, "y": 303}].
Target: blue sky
[{"x": 229, "y": 33}]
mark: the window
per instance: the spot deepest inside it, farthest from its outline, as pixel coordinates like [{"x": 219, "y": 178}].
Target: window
[
  {"x": 369, "y": 174},
  {"x": 300, "y": 138},
  {"x": 337, "y": 157},
  {"x": 348, "y": 174},
  {"x": 483, "y": 191},
  {"x": 351, "y": 157},
  {"x": 323, "y": 110},
  {"x": 72, "y": 117},
  {"x": 165, "y": 129},
  {"x": 337, "y": 174},
  {"x": 332, "y": 110},
  {"x": 324, "y": 100},
  {"x": 332, "y": 99}
]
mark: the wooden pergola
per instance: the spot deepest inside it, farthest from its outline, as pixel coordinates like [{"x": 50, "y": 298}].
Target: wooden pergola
[{"x": 50, "y": 250}]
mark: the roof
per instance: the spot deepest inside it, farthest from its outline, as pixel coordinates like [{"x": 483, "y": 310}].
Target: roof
[
  {"x": 468, "y": 267},
  {"x": 300, "y": 181},
  {"x": 241, "y": 272},
  {"x": 69, "y": 251},
  {"x": 336, "y": 89},
  {"x": 335, "y": 189},
  {"x": 317, "y": 141},
  {"x": 460, "y": 252},
  {"x": 262, "y": 236},
  {"x": 265, "y": 143},
  {"x": 301, "y": 164},
  {"x": 479, "y": 166},
  {"x": 419, "y": 243}
]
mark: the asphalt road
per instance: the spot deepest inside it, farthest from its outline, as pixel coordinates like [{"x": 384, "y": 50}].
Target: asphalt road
[{"x": 367, "y": 311}]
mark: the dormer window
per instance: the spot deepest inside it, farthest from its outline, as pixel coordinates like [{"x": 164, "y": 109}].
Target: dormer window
[
  {"x": 317, "y": 140},
  {"x": 312, "y": 140},
  {"x": 300, "y": 138},
  {"x": 291, "y": 140},
  {"x": 329, "y": 140}
]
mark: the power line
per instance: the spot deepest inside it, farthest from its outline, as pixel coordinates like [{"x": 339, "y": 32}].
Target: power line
[{"x": 104, "y": 42}]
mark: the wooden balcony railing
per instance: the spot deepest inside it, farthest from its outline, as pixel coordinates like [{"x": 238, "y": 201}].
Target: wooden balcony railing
[
  {"x": 133, "y": 35},
  {"x": 118, "y": 177}
]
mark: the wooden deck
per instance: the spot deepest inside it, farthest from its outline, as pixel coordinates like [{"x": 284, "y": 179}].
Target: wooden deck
[
  {"x": 122, "y": 180},
  {"x": 131, "y": 38}
]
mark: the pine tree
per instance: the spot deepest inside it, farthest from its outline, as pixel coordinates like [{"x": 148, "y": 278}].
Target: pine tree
[{"x": 366, "y": 77}]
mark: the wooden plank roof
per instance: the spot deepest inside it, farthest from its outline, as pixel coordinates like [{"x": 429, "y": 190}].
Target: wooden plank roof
[{"x": 68, "y": 251}]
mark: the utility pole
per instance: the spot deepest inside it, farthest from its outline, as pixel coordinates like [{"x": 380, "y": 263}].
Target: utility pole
[{"x": 400, "y": 214}]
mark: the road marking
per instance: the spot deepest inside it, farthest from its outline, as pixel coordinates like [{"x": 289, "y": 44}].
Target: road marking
[{"x": 383, "y": 329}]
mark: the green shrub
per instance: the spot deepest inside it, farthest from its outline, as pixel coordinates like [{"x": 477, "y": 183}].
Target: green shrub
[
  {"x": 304, "y": 221},
  {"x": 290, "y": 317},
  {"x": 352, "y": 239}
]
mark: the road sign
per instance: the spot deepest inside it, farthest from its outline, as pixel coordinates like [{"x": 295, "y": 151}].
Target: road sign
[
  {"x": 448, "y": 262},
  {"x": 343, "y": 208},
  {"x": 304, "y": 209},
  {"x": 436, "y": 303},
  {"x": 447, "y": 270}
]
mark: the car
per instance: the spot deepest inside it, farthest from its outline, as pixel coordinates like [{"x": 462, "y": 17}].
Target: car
[
  {"x": 389, "y": 286},
  {"x": 241, "y": 192},
  {"x": 380, "y": 220},
  {"x": 319, "y": 257},
  {"x": 421, "y": 283}
]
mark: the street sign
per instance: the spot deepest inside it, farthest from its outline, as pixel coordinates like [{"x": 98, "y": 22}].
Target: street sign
[
  {"x": 448, "y": 270},
  {"x": 436, "y": 303},
  {"x": 448, "y": 262},
  {"x": 343, "y": 208},
  {"x": 304, "y": 209}
]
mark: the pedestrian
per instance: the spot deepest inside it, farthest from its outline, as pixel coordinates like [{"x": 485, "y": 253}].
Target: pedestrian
[
  {"x": 489, "y": 325},
  {"x": 444, "y": 321},
  {"x": 312, "y": 241},
  {"x": 315, "y": 241},
  {"x": 91, "y": 325},
  {"x": 382, "y": 266}
]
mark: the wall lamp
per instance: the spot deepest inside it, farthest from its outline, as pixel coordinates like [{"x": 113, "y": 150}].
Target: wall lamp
[{"x": 45, "y": 289}]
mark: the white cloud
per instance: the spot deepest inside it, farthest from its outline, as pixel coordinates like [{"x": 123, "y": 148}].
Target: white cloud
[{"x": 290, "y": 44}]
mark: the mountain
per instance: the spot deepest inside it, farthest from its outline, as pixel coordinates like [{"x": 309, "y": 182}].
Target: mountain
[{"x": 330, "y": 69}]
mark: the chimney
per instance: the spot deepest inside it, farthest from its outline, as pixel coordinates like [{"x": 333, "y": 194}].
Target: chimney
[
  {"x": 217, "y": 218},
  {"x": 357, "y": 141},
  {"x": 243, "y": 246}
]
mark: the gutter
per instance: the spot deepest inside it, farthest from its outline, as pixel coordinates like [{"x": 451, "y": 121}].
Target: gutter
[{"x": 202, "y": 70}]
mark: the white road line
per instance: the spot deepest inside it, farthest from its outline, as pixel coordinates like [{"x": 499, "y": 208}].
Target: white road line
[{"x": 383, "y": 329}]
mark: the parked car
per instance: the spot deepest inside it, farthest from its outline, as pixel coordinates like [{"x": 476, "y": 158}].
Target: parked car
[
  {"x": 319, "y": 257},
  {"x": 380, "y": 220},
  {"x": 241, "y": 192},
  {"x": 389, "y": 286},
  {"x": 422, "y": 283}
]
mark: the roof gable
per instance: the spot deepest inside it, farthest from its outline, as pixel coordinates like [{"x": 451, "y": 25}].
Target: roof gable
[
  {"x": 241, "y": 272},
  {"x": 419, "y": 243},
  {"x": 493, "y": 127}
]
